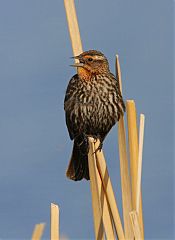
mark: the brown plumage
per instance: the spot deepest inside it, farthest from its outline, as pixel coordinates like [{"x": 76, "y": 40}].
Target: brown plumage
[{"x": 93, "y": 104}]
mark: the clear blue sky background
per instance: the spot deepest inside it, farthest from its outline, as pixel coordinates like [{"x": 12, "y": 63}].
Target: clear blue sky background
[{"x": 34, "y": 143}]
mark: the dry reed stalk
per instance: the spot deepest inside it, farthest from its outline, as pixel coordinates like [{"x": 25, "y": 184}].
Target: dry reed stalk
[
  {"x": 118, "y": 72},
  {"x": 139, "y": 170},
  {"x": 54, "y": 222},
  {"x": 38, "y": 231},
  {"x": 133, "y": 150},
  {"x": 95, "y": 183},
  {"x": 106, "y": 214},
  {"x": 102, "y": 168},
  {"x": 135, "y": 225},
  {"x": 73, "y": 27},
  {"x": 124, "y": 169}
]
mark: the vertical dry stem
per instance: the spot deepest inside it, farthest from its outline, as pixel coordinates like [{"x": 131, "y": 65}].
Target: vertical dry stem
[
  {"x": 73, "y": 27},
  {"x": 124, "y": 169},
  {"x": 95, "y": 184},
  {"x": 106, "y": 213},
  {"x": 139, "y": 170},
  {"x": 54, "y": 222},
  {"x": 133, "y": 149}
]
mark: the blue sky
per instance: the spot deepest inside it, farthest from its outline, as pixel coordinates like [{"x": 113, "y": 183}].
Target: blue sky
[{"x": 34, "y": 144}]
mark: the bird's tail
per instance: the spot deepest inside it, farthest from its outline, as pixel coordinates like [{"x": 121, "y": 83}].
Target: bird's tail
[{"x": 78, "y": 165}]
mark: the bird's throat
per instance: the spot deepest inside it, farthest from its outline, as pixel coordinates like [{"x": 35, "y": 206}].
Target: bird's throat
[{"x": 84, "y": 74}]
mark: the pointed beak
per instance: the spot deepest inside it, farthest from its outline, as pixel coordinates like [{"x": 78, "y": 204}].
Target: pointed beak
[
  {"x": 75, "y": 57},
  {"x": 79, "y": 64}
]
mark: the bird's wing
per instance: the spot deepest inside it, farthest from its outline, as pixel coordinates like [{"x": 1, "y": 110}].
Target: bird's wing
[
  {"x": 119, "y": 95},
  {"x": 69, "y": 126},
  {"x": 69, "y": 105}
]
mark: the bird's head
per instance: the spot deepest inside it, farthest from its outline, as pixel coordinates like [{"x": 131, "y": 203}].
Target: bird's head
[{"x": 91, "y": 62}]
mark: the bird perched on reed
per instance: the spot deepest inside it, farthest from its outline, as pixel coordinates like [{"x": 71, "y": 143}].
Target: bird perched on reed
[{"x": 93, "y": 104}]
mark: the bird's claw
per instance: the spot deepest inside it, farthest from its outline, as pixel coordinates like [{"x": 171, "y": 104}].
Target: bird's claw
[{"x": 99, "y": 148}]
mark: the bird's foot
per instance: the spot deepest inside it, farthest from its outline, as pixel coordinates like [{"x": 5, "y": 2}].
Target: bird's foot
[
  {"x": 99, "y": 147},
  {"x": 96, "y": 138}
]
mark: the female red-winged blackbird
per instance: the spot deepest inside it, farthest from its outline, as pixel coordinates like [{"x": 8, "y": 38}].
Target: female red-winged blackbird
[{"x": 93, "y": 104}]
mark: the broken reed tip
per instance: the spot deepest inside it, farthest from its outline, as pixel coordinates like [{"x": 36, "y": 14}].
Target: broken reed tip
[
  {"x": 130, "y": 101},
  {"x": 54, "y": 205},
  {"x": 142, "y": 116}
]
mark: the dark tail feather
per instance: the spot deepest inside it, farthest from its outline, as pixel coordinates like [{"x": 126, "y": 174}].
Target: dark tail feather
[{"x": 78, "y": 165}]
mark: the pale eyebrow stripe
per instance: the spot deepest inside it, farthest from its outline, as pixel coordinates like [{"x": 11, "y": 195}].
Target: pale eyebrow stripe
[{"x": 98, "y": 57}]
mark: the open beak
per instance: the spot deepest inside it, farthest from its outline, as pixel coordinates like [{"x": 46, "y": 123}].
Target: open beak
[{"x": 79, "y": 64}]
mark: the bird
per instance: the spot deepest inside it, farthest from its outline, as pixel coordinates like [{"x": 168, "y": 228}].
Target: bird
[{"x": 93, "y": 103}]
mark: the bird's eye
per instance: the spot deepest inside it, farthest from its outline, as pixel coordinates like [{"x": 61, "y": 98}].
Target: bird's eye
[{"x": 90, "y": 59}]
